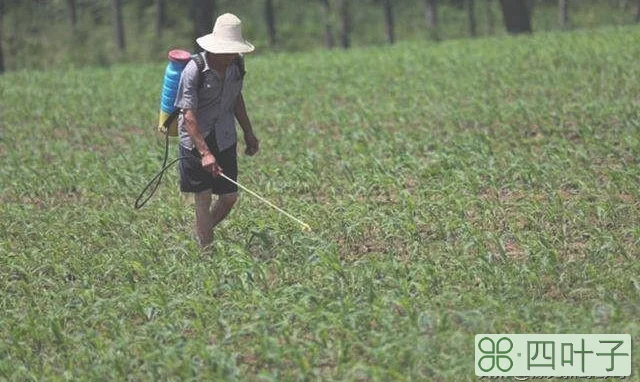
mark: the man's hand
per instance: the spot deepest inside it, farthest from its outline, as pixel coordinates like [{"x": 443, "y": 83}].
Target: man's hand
[
  {"x": 253, "y": 145},
  {"x": 210, "y": 164}
]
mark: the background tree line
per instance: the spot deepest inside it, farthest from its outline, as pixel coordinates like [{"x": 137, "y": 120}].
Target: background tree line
[{"x": 50, "y": 33}]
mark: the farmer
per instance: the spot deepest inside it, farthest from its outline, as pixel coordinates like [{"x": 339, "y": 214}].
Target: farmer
[{"x": 209, "y": 102}]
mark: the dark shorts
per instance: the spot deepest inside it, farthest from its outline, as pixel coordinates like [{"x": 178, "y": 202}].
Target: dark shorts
[{"x": 194, "y": 178}]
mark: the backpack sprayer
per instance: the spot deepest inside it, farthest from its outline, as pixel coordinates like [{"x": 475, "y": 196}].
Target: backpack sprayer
[
  {"x": 168, "y": 116},
  {"x": 168, "y": 125},
  {"x": 168, "y": 122}
]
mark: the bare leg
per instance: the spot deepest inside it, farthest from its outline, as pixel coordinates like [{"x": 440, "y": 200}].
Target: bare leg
[
  {"x": 222, "y": 207},
  {"x": 204, "y": 222}
]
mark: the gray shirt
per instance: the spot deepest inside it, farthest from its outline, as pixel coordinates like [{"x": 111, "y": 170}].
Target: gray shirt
[{"x": 213, "y": 103}]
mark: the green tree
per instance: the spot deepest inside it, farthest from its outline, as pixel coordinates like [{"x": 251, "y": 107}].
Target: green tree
[
  {"x": 329, "y": 40},
  {"x": 431, "y": 17},
  {"x": 1, "y": 55},
  {"x": 471, "y": 8},
  {"x": 73, "y": 14},
  {"x": 118, "y": 24},
  {"x": 202, "y": 12},
  {"x": 517, "y": 16},
  {"x": 345, "y": 23},
  {"x": 270, "y": 19},
  {"x": 563, "y": 15},
  {"x": 491, "y": 23},
  {"x": 388, "y": 20},
  {"x": 160, "y": 18}
]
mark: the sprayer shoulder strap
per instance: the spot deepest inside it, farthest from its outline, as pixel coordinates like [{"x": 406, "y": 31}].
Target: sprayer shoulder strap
[
  {"x": 199, "y": 60},
  {"x": 240, "y": 61}
]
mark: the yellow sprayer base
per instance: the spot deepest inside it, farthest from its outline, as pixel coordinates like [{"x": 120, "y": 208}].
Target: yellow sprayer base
[{"x": 172, "y": 128}]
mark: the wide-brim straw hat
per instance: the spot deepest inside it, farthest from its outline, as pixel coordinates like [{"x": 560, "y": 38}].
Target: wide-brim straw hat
[{"x": 226, "y": 37}]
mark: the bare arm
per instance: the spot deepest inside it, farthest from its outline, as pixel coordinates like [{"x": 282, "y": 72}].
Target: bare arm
[
  {"x": 191, "y": 126},
  {"x": 250, "y": 139},
  {"x": 209, "y": 162},
  {"x": 242, "y": 117}
]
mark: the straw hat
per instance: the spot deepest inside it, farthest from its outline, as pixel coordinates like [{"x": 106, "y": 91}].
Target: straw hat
[{"x": 226, "y": 37}]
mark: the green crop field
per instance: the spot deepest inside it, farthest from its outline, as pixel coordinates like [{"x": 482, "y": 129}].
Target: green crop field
[{"x": 485, "y": 186}]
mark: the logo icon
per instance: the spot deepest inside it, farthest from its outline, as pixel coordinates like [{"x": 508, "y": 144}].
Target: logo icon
[{"x": 496, "y": 354}]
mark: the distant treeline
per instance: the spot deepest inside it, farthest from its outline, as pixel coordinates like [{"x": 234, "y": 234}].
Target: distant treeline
[{"x": 58, "y": 33}]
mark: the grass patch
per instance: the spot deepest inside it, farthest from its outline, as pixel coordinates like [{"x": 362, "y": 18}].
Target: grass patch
[{"x": 468, "y": 187}]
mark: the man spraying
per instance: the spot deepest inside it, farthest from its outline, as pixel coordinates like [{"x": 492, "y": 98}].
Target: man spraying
[{"x": 210, "y": 99}]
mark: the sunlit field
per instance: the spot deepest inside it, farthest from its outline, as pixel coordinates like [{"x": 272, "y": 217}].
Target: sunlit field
[{"x": 485, "y": 186}]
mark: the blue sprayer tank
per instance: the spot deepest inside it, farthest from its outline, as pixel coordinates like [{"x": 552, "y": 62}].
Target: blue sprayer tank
[{"x": 178, "y": 59}]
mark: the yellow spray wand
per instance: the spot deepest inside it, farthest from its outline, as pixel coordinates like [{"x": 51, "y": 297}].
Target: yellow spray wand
[{"x": 305, "y": 226}]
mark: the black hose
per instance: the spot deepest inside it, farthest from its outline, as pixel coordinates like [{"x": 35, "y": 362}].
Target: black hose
[{"x": 158, "y": 177}]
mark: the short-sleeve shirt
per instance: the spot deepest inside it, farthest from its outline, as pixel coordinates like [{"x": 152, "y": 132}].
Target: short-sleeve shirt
[{"x": 213, "y": 101}]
